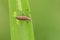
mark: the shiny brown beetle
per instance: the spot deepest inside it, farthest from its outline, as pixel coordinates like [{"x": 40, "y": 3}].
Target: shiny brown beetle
[{"x": 22, "y": 18}]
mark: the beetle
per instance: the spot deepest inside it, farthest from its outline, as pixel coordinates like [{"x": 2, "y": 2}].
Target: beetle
[{"x": 23, "y": 18}]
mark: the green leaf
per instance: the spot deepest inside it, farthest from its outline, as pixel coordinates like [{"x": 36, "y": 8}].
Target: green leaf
[{"x": 20, "y": 30}]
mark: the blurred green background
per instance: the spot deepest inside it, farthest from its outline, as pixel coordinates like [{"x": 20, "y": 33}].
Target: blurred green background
[
  {"x": 45, "y": 16},
  {"x": 4, "y": 20}
]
